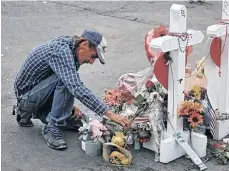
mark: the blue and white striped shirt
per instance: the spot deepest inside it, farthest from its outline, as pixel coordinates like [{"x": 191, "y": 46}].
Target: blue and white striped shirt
[{"x": 56, "y": 56}]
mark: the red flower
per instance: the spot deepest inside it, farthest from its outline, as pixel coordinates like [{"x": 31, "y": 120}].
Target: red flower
[
  {"x": 217, "y": 146},
  {"x": 149, "y": 84}
]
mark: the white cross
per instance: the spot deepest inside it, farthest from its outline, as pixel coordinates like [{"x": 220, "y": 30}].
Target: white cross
[
  {"x": 169, "y": 149},
  {"x": 218, "y": 85},
  {"x": 176, "y": 46}
]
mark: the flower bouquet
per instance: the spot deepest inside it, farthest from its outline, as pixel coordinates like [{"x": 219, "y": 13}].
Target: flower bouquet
[
  {"x": 196, "y": 93},
  {"x": 221, "y": 152},
  {"x": 138, "y": 96},
  {"x": 115, "y": 99},
  {"x": 125, "y": 103},
  {"x": 192, "y": 112}
]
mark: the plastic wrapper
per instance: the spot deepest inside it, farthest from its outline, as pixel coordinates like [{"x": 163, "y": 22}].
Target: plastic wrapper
[
  {"x": 132, "y": 82},
  {"x": 195, "y": 79},
  {"x": 109, "y": 147},
  {"x": 156, "y": 114},
  {"x": 136, "y": 84}
]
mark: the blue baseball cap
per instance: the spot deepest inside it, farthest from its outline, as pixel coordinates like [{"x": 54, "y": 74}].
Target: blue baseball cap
[{"x": 98, "y": 40}]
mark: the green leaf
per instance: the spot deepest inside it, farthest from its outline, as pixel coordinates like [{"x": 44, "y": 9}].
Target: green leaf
[
  {"x": 227, "y": 148},
  {"x": 141, "y": 108},
  {"x": 221, "y": 155},
  {"x": 217, "y": 151},
  {"x": 138, "y": 100},
  {"x": 224, "y": 159},
  {"x": 224, "y": 154}
]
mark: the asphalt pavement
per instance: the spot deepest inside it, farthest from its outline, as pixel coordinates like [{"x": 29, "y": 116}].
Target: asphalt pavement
[{"x": 25, "y": 25}]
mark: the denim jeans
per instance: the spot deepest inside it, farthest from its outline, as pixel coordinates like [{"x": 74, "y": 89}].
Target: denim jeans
[{"x": 50, "y": 101}]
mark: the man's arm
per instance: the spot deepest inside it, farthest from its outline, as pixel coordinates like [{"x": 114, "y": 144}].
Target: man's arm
[{"x": 62, "y": 63}]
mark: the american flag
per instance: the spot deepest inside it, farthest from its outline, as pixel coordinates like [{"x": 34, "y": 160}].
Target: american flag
[{"x": 211, "y": 113}]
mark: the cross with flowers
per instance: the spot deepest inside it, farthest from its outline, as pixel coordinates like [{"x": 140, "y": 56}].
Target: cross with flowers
[{"x": 176, "y": 44}]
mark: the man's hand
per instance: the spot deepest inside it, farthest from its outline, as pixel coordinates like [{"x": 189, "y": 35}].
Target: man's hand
[
  {"x": 122, "y": 120},
  {"x": 77, "y": 112}
]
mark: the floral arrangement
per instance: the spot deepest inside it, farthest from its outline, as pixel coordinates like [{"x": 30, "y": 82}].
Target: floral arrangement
[
  {"x": 192, "y": 112},
  {"x": 191, "y": 109},
  {"x": 221, "y": 152},
  {"x": 115, "y": 99},
  {"x": 197, "y": 93}
]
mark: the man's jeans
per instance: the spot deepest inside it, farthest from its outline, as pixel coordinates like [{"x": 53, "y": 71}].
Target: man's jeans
[{"x": 50, "y": 101}]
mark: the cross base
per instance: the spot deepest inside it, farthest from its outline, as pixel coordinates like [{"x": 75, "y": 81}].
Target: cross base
[
  {"x": 170, "y": 150},
  {"x": 221, "y": 129},
  {"x": 151, "y": 144}
]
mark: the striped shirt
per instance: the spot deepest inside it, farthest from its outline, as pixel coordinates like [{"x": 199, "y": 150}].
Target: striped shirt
[{"x": 56, "y": 56}]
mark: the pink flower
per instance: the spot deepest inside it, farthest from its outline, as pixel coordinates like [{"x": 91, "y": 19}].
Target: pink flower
[
  {"x": 217, "y": 146},
  {"x": 130, "y": 102},
  {"x": 149, "y": 84}
]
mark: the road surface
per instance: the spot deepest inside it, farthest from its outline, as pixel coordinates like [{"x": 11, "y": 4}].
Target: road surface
[{"x": 27, "y": 24}]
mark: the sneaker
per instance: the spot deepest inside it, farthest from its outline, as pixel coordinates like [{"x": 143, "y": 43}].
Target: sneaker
[
  {"x": 23, "y": 122},
  {"x": 53, "y": 137}
]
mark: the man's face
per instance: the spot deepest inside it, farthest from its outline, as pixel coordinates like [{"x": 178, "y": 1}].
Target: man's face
[{"x": 86, "y": 54}]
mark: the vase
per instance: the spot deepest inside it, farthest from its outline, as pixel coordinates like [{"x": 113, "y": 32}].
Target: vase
[{"x": 136, "y": 143}]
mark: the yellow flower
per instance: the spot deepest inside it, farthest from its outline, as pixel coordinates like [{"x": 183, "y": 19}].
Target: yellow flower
[
  {"x": 196, "y": 91},
  {"x": 187, "y": 107}
]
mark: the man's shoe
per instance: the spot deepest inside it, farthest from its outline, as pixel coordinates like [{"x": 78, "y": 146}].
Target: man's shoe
[
  {"x": 24, "y": 122},
  {"x": 73, "y": 123},
  {"x": 53, "y": 137}
]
